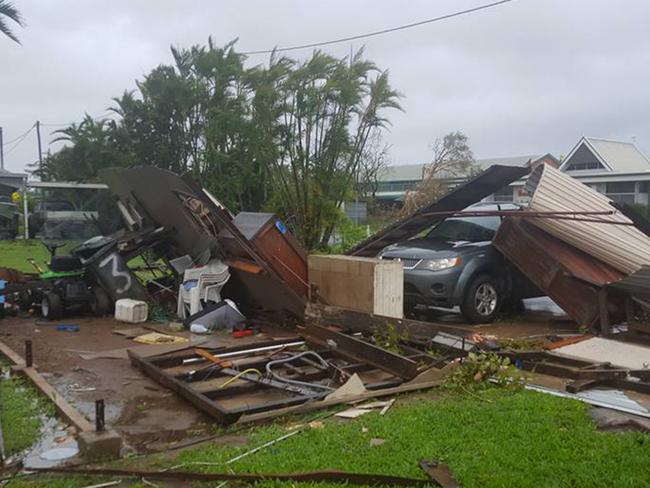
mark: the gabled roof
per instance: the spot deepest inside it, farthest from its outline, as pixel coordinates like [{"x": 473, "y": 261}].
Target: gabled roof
[{"x": 615, "y": 156}]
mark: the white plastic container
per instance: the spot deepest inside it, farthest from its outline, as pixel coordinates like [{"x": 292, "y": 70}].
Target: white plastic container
[{"x": 132, "y": 311}]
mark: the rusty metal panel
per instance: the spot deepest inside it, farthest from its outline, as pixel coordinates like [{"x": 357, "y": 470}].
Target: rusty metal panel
[
  {"x": 476, "y": 189},
  {"x": 567, "y": 275},
  {"x": 615, "y": 242}
]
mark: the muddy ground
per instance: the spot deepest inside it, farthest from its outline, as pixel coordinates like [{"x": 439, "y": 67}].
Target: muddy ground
[
  {"x": 151, "y": 418},
  {"x": 148, "y": 416}
]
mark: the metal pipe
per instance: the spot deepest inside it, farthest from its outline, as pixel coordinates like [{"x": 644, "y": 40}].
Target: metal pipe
[
  {"x": 247, "y": 351},
  {"x": 28, "y": 353},
  {"x": 275, "y": 375},
  {"x": 100, "y": 421}
]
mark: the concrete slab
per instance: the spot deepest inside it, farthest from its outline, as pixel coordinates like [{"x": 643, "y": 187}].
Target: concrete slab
[{"x": 598, "y": 349}]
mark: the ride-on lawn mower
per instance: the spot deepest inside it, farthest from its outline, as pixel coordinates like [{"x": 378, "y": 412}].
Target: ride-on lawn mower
[{"x": 66, "y": 286}]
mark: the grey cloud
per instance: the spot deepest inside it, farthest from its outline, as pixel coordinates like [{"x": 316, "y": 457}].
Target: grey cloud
[{"x": 529, "y": 76}]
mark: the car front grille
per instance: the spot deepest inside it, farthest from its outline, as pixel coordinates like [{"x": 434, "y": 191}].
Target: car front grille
[{"x": 407, "y": 263}]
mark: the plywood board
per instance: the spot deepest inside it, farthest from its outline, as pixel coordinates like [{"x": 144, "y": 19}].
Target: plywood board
[
  {"x": 143, "y": 351},
  {"x": 363, "y": 284},
  {"x": 597, "y": 349}
]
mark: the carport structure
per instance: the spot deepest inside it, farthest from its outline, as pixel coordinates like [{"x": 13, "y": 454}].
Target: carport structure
[{"x": 46, "y": 187}]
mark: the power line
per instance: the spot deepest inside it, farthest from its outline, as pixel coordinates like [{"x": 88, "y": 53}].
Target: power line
[
  {"x": 383, "y": 31},
  {"x": 21, "y": 136},
  {"x": 17, "y": 141}
]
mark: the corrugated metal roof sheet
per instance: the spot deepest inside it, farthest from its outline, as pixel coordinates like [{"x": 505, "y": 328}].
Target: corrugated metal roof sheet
[{"x": 621, "y": 246}]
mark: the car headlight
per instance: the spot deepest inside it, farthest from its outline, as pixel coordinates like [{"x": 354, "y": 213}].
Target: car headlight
[{"x": 438, "y": 264}]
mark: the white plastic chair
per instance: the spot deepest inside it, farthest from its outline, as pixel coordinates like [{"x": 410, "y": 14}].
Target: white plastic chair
[{"x": 210, "y": 279}]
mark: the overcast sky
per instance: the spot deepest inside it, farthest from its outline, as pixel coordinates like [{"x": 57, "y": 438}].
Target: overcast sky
[{"x": 527, "y": 77}]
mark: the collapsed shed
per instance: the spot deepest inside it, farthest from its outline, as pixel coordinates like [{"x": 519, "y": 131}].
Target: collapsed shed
[{"x": 267, "y": 266}]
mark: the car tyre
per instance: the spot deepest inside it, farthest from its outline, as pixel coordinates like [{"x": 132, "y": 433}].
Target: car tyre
[
  {"x": 482, "y": 300},
  {"x": 51, "y": 306}
]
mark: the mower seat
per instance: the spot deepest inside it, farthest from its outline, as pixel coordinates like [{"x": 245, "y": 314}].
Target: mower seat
[{"x": 65, "y": 263}]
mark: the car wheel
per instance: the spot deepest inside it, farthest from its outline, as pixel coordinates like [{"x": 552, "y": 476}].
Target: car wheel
[
  {"x": 482, "y": 300},
  {"x": 51, "y": 306}
]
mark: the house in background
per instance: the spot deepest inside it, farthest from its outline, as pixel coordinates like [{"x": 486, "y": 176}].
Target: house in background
[
  {"x": 617, "y": 169},
  {"x": 397, "y": 180}
]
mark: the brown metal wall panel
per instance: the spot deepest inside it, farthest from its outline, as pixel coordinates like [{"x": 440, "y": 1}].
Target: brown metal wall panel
[{"x": 567, "y": 275}]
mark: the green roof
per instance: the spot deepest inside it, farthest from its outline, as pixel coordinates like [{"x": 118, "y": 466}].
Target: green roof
[{"x": 415, "y": 172}]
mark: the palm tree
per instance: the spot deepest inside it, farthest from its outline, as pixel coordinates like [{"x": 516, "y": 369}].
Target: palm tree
[{"x": 8, "y": 10}]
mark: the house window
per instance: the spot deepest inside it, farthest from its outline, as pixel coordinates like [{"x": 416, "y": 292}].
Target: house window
[
  {"x": 505, "y": 194},
  {"x": 583, "y": 166},
  {"x": 583, "y": 159},
  {"x": 396, "y": 185},
  {"x": 621, "y": 192}
]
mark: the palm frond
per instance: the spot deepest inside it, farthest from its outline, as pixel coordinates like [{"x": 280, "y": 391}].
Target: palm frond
[{"x": 8, "y": 10}]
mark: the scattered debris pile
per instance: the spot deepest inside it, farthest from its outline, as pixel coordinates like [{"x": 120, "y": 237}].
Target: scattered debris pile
[{"x": 320, "y": 368}]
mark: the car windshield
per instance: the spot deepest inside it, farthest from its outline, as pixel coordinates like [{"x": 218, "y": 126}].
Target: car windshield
[{"x": 472, "y": 229}]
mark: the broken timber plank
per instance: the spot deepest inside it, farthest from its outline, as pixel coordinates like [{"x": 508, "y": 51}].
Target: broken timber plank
[
  {"x": 62, "y": 406},
  {"x": 11, "y": 355},
  {"x": 197, "y": 399},
  {"x": 353, "y": 321},
  {"x": 427, "y": 379}
]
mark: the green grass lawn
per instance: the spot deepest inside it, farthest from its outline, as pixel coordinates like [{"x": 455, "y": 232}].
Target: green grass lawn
[
  {"x": 22, "y": 411},
  {"x": 14, "y": 254},
  {"x": 492, "y": 439}
]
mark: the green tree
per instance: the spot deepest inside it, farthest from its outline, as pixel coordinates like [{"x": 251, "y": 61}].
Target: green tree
[
  {"x": 287, "y": 135},
  {"x": 329, "y": 108},
  {"x": 10, "y": 12},
  {"x": 452, "y": 158},
  {"x": 90, "y": 146}
]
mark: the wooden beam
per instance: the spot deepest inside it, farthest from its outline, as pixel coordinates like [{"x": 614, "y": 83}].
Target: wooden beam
[
  {"x": 362, "y": 351},
  {"x": 197, "y": 399},
  {"x": 603, "y": 312},
  {"x": 353, "y": 321},
  {"x": 434, "y": 378},
  {"x": 15, "y": 358},
  {"x": 67, "y": 411}
]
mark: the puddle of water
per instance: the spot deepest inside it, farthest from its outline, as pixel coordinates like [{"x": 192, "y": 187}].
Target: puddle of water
[
  {"x": 55, "y": 446},
  {"x": 112, "y": 411},
  {"x": 59, "y": 453},
  {"x": 543, "y": 305}
]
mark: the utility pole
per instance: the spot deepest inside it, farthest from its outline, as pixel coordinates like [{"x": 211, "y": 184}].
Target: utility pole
[
  {"x": 40, "y": 149},
  {"x": 2, "y": 151}
]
